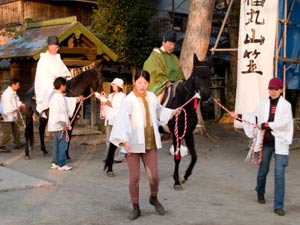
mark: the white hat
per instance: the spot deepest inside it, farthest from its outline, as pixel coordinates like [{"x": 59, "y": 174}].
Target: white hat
[{"x": 119, "y": 82}]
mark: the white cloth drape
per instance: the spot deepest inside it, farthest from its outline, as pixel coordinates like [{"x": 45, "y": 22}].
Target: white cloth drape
[{"x": 258, "y": 20}]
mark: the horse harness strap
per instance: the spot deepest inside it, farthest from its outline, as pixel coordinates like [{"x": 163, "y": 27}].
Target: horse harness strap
[{"x": 73, "y": 118}]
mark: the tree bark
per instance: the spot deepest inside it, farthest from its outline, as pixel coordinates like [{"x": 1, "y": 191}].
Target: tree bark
[{"x": 197, "y": 35}]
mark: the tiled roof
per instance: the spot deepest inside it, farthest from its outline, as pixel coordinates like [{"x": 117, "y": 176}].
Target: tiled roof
[{"x": 34, "y": 39}]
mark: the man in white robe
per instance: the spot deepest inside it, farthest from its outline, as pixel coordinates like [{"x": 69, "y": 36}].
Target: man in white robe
[
  {"x": 10, "y": 105},
  {"x": 49, "y": 67}
]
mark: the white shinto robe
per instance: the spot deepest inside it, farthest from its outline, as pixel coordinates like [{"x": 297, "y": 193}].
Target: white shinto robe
[
  {"x": 111, "y": 112},
  {"x": 48, "y": 68},
  {"x": 10, "y": 103},
  {"x": 129, "y": 123},
  {"x": 282, "y": 127},
  {"x": 61, "y": 108}
]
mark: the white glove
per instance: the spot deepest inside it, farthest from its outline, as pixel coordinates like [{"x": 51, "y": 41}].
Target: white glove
[
  {"x": 97, "y": 95},
  {"x": 174, "y": 112},
  {"x": 103, "y": 99}
]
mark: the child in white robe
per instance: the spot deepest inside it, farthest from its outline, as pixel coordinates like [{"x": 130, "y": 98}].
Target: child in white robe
[{"x": 60, "y": 110}]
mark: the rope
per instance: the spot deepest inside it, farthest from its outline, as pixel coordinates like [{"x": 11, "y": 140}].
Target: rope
[
  {"x": 102, "y": 104},
  {"x": 177, "y": 112},
  {"x": 69, "y": 127},
  {"x": 262, "y": 134},
  {"x": 79, "y": 105},
  {"x": 217, "y": 101},
  {"x": 21, "y": 118}
]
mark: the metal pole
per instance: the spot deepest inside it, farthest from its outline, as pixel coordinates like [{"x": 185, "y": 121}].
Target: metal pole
[
  {"x": 284, "y": 47},
  {"x": 278, "y": 47},
  {"x": 173, "y": 14}
]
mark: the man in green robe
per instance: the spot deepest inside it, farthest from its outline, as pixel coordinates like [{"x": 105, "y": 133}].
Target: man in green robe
[{"x": 163, "y": 65}]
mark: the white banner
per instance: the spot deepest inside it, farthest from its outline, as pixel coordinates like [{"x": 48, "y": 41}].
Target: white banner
[{"x": 256, "y": 50}]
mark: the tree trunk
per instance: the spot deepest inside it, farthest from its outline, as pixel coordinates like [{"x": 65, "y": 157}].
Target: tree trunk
[
  {"x": 197, "y": 35},
  {"x": 196, "y": 40}
]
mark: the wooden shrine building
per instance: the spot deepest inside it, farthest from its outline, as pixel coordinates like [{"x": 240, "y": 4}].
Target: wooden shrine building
[{"x": 79, "y": 48}]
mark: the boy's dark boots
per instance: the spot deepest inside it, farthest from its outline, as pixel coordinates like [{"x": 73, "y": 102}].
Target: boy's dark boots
[
  {"x": 136, "y": 212},
  {"x": 261, "y": 198},
  {"x": 158, "y": 207}
]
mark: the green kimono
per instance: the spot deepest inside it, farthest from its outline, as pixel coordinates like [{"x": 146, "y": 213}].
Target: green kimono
[{"x": 163, "y": 67}]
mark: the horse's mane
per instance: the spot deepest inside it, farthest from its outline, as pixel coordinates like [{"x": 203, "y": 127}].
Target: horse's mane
[{"x": 82, "y": 76}]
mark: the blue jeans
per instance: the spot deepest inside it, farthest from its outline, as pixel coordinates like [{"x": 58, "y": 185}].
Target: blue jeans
[
  {"x": 59, "y": 149},
  {"x": 281, "y": 161}
]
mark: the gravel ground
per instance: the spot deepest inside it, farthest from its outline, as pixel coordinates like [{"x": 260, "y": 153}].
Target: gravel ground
[{"x": 219, "y": 192}]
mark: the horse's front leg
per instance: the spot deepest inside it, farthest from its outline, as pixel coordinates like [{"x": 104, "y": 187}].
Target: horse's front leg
[
  {"x": 27, "y": 143},
  {"x": 189, "y": 139},
  {"x": 28, "y": 134},
  {"x": 42, "y": 128},
  {"x": 177, "y": 159}
]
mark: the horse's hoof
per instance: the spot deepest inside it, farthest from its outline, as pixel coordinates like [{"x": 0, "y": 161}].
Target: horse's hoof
[
  {"x": 110, "y": 174},
  {"x": 182, "y": 180},
  {"x": 27, "y": 157},
  {"x": 178, "y": 187},
  {"x": 45, "y": 153}
]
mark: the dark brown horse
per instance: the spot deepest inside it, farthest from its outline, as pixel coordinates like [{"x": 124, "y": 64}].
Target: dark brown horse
[
  {"x": 198, "y": 82},
  {"x": 92, "y": 78}
]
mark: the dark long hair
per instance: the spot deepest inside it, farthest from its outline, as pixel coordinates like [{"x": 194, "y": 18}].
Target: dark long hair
[{"x": 142, "y": 73}]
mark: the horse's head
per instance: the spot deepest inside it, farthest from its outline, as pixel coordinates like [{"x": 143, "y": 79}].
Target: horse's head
[
  {"x": 202, "y": 74},
  {"x": 96, "y": 84},
  {"x": 91, "y": 78}
]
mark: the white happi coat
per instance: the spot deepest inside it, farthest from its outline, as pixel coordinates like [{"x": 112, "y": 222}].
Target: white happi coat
[
  {"x": 10, "y": 103},
  {"x": 61, "y": 108},
  {"x": 282, "y": 127},
  {"x": 129, "y": 123},
  {"x": 111, "y": 112},
  {"x": 48, "y": 68}
]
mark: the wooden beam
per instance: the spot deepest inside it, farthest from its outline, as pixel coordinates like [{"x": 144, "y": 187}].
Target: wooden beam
[
  {"x": 53, "y": 22},
  {"x": 78, "y": 50},
  {"x": 76, "y": 63}
]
